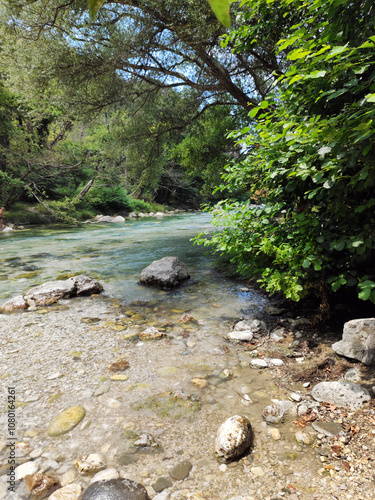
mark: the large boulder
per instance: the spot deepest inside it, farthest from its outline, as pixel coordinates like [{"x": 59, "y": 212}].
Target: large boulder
[
  {"x": 358, "y": 341},
  {"x": 165, "y": 273}
]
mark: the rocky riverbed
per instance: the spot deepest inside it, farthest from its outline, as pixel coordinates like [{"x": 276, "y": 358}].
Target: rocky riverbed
[{"x": 149, "y": 409}]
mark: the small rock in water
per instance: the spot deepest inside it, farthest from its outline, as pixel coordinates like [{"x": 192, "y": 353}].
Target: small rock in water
[
  {"x": 66, "y": 421},
  {"x": 28, "y": 468},
  {"x": 275, "y": 412},
  {"x": 105, "y": 474},
  {"x": 187, "y": 318},
  {"x": 305, "y": 437},
  {"x": 118, "y": 366},
  {"x": 327, "y": 428},
  {"x": 258, "y": 363},
  {"x": 181, "y": 470},
  {"x": 89, "y": 463},
  {"x": 41, "y": 485},
  {"x": 151, "y": 333},
  {"x": 161, "y": 484},
  {"x": 69, "y": 492},
  {"x": 255, "y": 326},
  {"x": 115, "y": 489},
  {"x": 233, "y": 438},
  {"x": 200, "y": 382},
  {"x": 341, "y": 394}
]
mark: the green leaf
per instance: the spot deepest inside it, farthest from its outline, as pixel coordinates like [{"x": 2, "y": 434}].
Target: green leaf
[
  {"x": 221, "y": 10},
  {"x": 306, "y": 263},
  {"x": 94, "y": 6},
  {"x": 298, "y": 54},
  {"x": 370, "y": 98},
  {"x": 365, "y": 294},
  {"x": 317, "y": 74},
  {"x": 253, "y": 112}
]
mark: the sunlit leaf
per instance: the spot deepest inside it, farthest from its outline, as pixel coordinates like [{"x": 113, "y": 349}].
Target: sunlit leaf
[
  {"x": 221, "y": 10},
  {"x": 94, "y": 6}
]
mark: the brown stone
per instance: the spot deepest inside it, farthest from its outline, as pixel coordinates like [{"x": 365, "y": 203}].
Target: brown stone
[{"x": 118, "y": 366}]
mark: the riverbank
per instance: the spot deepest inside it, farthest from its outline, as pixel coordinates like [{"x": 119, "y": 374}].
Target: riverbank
[{"x": 178, "y": 390}]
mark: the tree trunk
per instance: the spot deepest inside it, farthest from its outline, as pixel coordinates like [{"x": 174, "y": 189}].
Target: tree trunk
[{"x": 86, "y": 189}]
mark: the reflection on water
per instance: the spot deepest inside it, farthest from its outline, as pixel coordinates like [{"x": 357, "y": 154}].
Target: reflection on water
[{"x": 115, "y": 254}]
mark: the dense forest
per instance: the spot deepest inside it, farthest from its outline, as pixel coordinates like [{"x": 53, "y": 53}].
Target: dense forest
[{"x": 152, "y": 101}]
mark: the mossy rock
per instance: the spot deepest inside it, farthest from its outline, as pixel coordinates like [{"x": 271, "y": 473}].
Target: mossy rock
[
  {"x": 66, "y": 421},
  {"x": 174, "y": 405}
]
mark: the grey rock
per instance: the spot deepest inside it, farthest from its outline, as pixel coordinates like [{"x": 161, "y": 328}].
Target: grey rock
[
  {"x": 242, "y": 335},
  {"x": 119, "y": 218},
  {"x": 273, "y": 311},
  {"x": 341, "y": 394},
  {"x": 358, "y": 341},
  {"x": 86, "y": 286},
  {"x": 233, "y": 438},
  {"x": 14, "y": 304},
  {"x": 254, "y": 325},
  {"x": 258, "y": 363},
  {"x": 133, "y": 214},
  {"x": 115, "y": 489},
  {"x": 161, "y": 484},
  {"x": 327, "y": 428},
  {"x": 166, "y": 273},
  {"x": 276, "y": 412},
  {"x": 278, "y": 334},
  {"x": 181, "y": 470},
  {"x": 105, "y": 218},
  {"x": 353, "y": 375}
]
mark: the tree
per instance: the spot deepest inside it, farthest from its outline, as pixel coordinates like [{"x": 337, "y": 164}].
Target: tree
[{"x": 312, "y": 149}]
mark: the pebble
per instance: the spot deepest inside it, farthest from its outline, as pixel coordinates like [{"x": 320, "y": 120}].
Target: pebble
[
  {"x": 327, "y": 428},
  {"x": 151, "y": 333},
  {"x": 244, "y": 336},
  {"x": 68, "y": 477},
  {"x": 25, "y": 469},
  {"x": 223, "y": 467},
  {"x": 199, "y": 382},
  {"x": 110, "y": 473},
  {"x": 90, "y": 463},
  {"x": 305, "y": 437},
  {"x": 296, "y": 397},
  {"x": 181, "y": 470},
  {"x": 258, "y": 363},
  {"x": 257, "y": 471},
  {"x": 306, "y": 384},
  {"x": 274, "y": 433},
  {"x": 69, "y": 492},
  {"x": 162, "y": 483},
  {"x": 276, "y": 362},
  {"x": 66, "y": 421}
]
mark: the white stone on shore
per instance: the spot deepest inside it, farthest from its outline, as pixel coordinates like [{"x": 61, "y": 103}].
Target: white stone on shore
[
  {"x": 258, "y": 363},
  {"x": 341, "y": 394},
  {"x": 28, "y": 468},
  {"x": 90, "y": 463},
  {"x": 234, "y": 436},
  {"x": 243, "y": 335}
]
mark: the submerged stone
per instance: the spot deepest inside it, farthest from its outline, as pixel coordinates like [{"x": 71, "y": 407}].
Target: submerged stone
[
  {"x": 181, "y": 470},
  {"x": 116, "y": 489},
  {"x": 66, "y": 421},
  {"x": 176, "y": 405}
]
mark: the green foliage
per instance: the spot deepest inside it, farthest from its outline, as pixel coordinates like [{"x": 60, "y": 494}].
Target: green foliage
[
  {"x": 312, "y": 150},
  {"x": 221, "y": 10},
  {"x": 108, "y": 199}
]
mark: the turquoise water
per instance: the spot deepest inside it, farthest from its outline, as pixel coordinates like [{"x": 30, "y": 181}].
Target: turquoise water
[{"x": 115, "y": 254}]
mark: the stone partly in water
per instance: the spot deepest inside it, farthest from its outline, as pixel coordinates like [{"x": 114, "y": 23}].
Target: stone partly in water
[
  {"x": 241, "y": 335},
  {"x": 327, "y": 428},
  {"x": 166, "y": 273},
  {"x": 66, "y": 421},
  {"x": 119, "y": 366},
  {"x": 254, "y": 325},
  {"x": 41, "y": 485},
  {"x": 234, "y": 437},
  {"x": 276, "y": 412},
  {"x": 358, "y": 341},
  {"x": 115, "y": 489},
  {"x": 17, "y": 303},
  {"x": 341, "y": 394}
]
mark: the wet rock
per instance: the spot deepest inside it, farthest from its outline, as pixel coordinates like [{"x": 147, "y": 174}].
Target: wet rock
[
  {"x": 41, "y": 485},
  {"x": 304, "y": 437},
  {"x": 276, "y": 412},
  {"x": 175, "y": 404},
  {"x": 51, "y": 291},
  {"x": 241, "y": 335},
  {"x": 66, "y": 421},
  {"x": 69, "y": 492},
  {"x": 181, "y": 470},
  {"x": 327, "y": 428},
  {"x": 162, "y": 483},
  {"x": 166, "y": 273},
  {"x": 28, "y": 468},
  {"x": 187, "y": 318},
  {"x": 200, "y": 382},
  {"x": 273, "y": 311},
  {"x": 258, "y": 363},
  {"x": 151, "y": 333},
  {"x": 87, "y": 464},
  {"x": 105, "y": 474},
  {"x": 102, "y": 389},
  {"x": 115, "y": 489},
  {"x": 233, "y": 438},
  {"x": 255, "y": 326},
  {"x": 294, "y": 323},
  {"x": 119, "y": 366},
  {"x": 358, "y": 341},
  {"x": 341, "y": 394},
  {"x": 14, "y": 304}
]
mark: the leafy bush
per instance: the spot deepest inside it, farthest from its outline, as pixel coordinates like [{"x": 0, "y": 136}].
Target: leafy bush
[{"x": 108, "y": 199}]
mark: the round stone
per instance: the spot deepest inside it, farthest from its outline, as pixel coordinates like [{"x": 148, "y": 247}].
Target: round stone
[
  {"x": 115, "y": 489},
  {"x": 69, "y": 492},
  {"x": 234, "y": 436},
  {"x": 181, "y": 470},
  {"x": 66, "y": 421}
]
